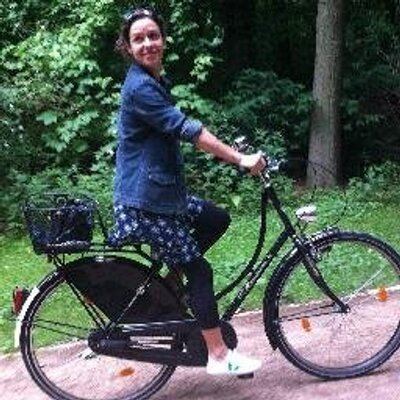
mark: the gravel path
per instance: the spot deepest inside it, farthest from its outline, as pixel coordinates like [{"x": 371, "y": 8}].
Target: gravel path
[{"x": 277, "y": 379}]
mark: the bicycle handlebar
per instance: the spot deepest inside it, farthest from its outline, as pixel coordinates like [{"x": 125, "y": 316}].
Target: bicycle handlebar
[
  {"x": 241, "y": 144},
  {"x": 274, "y": 164}
]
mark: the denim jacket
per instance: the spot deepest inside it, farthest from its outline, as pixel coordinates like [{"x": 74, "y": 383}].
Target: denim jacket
[{"x": 149, "y": 164}]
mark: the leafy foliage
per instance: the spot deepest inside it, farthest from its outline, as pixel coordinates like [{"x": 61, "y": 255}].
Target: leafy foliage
[
  {"x": 97, "y": 184},
  {"x": 380, "y": 184},
  {"x": 370, "y": 119},
  {"x": 53, "y": 94},
  {"x": 251, "y": 75},
  {"x": 273, "y": 112},
  {"x": 194, "y": 38}
]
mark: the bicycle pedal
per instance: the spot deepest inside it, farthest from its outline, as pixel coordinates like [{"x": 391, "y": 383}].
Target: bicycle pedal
[{"x": 246, "y": 376}]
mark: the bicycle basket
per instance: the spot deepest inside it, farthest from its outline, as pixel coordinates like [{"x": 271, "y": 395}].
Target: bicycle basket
[{"x": 60, "y": 222}]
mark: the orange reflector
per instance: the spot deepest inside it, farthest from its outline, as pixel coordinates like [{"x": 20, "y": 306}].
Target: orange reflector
[
  {"x": 382, "y": 295},
  {"x": 306, "y": 324},
  {"x": 126, "y": 372}
]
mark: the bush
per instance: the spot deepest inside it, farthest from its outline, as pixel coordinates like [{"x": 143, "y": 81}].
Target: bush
[
  {"x": 97, "y": 185},
  {"x": 380, "y": 184},
  {"x": 272, "y": 113},
  {"x": 370, "y": 82}
]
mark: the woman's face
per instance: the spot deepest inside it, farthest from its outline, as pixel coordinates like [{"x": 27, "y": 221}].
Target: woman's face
[{"x": 147, "y": 44}]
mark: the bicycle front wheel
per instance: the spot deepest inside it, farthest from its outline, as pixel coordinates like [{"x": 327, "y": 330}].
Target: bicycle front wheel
[
  {"x": 314, "y": 334},
  {"x": 55, "y": 350}
]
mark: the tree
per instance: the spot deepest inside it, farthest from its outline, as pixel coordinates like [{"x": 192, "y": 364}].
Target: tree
[{"x": 324, "y": 145}]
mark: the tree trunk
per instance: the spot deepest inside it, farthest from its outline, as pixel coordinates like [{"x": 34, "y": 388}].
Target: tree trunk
[{"x": 324, "y": 146}]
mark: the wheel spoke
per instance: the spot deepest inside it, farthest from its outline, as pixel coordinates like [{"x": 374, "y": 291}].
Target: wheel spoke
[
  {"x": 310, "y": 313},
  {"x": 348, "y": 298}
]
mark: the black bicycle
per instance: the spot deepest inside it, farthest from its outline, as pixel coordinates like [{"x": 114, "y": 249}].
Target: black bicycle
[{"x": 107, "y": 325}]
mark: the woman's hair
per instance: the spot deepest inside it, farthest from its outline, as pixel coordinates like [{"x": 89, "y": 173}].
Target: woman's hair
[{"x": 122, "y": 44}]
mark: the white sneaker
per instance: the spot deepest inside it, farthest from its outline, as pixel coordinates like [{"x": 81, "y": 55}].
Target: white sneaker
[{"x": 234, "y": 363}]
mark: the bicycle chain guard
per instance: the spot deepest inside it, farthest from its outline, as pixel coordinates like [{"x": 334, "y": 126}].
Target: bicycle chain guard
[{"x": 126, "y": 345}]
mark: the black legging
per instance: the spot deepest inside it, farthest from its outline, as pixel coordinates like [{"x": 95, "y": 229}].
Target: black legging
[{"x": 209, "y": 226}]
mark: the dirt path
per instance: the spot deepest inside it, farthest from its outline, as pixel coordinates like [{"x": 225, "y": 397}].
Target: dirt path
[{"x": 277, "y": 379}]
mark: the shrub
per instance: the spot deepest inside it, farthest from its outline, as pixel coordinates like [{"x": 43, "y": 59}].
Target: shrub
[
  {"x": 97, "y": 185},
  {"x": 272, "y": 113},
  {"x": 380, "y": 184}
]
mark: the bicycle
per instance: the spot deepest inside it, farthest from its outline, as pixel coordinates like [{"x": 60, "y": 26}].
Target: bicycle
[{"x": 116, "y": 326}]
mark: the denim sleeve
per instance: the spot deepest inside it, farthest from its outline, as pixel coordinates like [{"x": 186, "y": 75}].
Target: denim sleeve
[{"x": 152, "y": 105}]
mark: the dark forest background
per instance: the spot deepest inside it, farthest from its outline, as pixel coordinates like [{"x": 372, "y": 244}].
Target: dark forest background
[{"x": 242, "y": 67}]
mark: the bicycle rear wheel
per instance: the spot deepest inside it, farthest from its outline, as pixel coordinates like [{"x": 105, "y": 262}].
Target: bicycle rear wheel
[
  {"x": 314, "y": 334},
  {"x": 55, "y": 350}
]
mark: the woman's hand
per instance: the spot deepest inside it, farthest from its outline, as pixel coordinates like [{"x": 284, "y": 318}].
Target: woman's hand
[
  {"x": 211, "y": 144},
  {"x": 253, "y": 162}
]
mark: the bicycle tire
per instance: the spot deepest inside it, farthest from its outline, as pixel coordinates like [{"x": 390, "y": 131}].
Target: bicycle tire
[
  {"x": 364, "y": 272},
  {"x": 39, "y": 354}
]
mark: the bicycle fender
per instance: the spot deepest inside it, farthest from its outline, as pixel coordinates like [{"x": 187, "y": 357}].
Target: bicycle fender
[
  {"x": 21, "y": 316},
  {"x": 17, "y": 332}
]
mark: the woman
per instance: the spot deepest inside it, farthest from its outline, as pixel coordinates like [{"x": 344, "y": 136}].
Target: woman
[{"x": 151, "y": 203}]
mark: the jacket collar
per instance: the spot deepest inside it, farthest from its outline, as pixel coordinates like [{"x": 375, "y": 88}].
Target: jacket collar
[{"x": 138, "y": 69}]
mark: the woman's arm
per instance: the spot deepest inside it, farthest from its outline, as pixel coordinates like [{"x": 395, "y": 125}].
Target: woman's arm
[{"x": 209, "y": 143}]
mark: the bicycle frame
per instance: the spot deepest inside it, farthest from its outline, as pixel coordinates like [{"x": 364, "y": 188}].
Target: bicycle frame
[{"x": 252, "y": 271}]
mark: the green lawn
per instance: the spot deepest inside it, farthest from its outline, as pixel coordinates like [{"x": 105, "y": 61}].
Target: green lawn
[{"x": 20, "y": 266}]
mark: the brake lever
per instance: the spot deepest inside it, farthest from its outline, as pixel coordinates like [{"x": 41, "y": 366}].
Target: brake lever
[
  {"x": 274, "y": 165},
  {"x": 241, "y": 144}
]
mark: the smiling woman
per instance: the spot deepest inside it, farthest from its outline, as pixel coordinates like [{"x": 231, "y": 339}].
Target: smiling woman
[
  {"x": 142, "y": 39},
  {"x": 147, "y": 45},
  {"x": 150, "y": 197}
]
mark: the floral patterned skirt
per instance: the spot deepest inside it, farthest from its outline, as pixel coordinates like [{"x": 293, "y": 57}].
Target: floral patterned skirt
[{"x": 169, "y": 236}]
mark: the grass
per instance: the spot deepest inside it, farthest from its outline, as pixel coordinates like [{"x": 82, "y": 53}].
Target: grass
[
  {"x": 240, "y": 241},
  {"x": 19, "y": 266}
]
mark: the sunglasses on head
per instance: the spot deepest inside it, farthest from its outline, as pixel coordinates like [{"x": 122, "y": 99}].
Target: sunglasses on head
[{"x": 138, "y": 13}]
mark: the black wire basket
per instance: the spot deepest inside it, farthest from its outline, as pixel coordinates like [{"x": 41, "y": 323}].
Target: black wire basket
[{"x": 60, "y": 222}]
